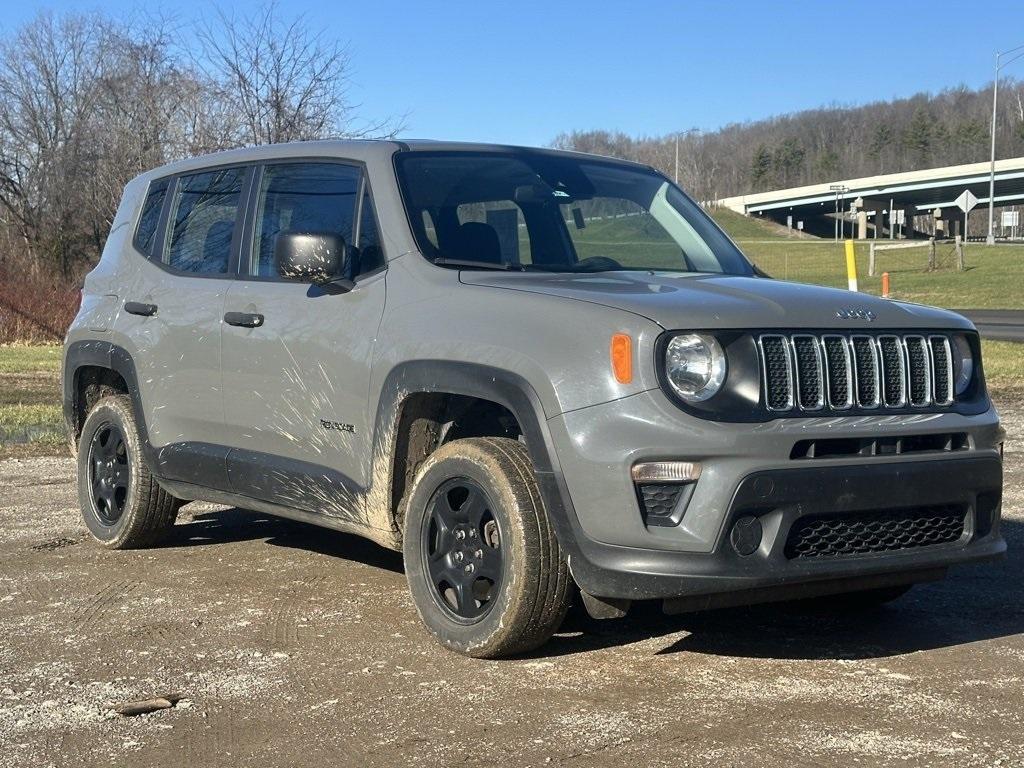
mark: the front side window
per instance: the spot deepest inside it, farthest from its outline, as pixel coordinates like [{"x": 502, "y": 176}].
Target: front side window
[
  {"x": 202, "y": 219},
  {"x": 302, "y": 197},
  {"x": 149, "y": 219},
  {"x": 541, "y": 211}
]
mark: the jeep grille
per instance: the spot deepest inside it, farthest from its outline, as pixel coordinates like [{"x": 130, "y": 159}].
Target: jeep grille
[{"x": 838, "y": 372}]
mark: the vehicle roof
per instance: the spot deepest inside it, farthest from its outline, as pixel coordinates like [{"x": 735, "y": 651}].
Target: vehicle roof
[{"x": 360, "y": 150}]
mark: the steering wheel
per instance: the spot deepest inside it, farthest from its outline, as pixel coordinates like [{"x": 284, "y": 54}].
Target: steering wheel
[{"x": 598, "y": 264}]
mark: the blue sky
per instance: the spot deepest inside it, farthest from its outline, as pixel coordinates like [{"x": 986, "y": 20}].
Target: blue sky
[{"x": 523, "y": 72}]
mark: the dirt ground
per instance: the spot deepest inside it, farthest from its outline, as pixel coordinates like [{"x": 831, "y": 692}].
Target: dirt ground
[{"x": 295, "y": 646}]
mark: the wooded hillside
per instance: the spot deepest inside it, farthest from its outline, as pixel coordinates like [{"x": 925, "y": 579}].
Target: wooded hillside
[{"x": 818, "y": 145}]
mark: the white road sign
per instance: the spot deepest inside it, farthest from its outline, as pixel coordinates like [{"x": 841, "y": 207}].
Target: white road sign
[
  {"x": 967, "y": 201},
  {"x": 1011, "y": 218}
]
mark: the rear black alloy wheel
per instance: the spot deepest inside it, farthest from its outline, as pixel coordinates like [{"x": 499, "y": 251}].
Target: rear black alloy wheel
[
  {"x": 109, "y": 472},
  {"x": 484, "y": 567},
  {"x": 462, "y": 550},
  {"x": 123, "y": 505}
]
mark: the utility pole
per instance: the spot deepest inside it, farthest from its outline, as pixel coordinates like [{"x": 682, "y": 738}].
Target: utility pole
[{"x": 990, "y": 238}]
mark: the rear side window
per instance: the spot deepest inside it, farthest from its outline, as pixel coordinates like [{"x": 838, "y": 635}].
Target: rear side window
[
  {"x": 149, "y": 219},
  {"x": 302, "y": 197},
  {"x": 203, "y": 221}
]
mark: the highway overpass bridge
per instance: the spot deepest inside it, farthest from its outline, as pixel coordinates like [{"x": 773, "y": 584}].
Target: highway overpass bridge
[{"x": 926, "y": 198}]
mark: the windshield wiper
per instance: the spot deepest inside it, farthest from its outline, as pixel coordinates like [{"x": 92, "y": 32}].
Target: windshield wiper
[
  {"x": 566, "y": 269},
  {"x": 475, "y": 264}
]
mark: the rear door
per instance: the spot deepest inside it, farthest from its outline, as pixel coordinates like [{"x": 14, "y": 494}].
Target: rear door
[
  {"x": 172, "y": 313},
  {"x": 296, "y": 385}
]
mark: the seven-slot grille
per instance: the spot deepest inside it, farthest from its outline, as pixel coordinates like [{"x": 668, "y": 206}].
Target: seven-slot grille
[{"x": 838, "y": 372}]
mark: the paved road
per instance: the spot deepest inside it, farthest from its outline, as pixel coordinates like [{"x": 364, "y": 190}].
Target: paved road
[
  {"x": 1002, "y": 324},
  {"x": 298, "y": 647}
]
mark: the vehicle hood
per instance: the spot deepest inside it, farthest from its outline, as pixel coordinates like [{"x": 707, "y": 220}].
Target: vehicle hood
[{"x": 695, "y": 301}]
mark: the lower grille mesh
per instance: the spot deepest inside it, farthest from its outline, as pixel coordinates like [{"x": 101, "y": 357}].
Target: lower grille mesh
[{"x": 865, "y": 533}]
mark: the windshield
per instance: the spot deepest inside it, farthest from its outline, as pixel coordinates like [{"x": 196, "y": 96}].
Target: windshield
[{"x": 541, "y": 211}]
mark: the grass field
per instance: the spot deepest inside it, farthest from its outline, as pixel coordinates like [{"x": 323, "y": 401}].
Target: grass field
[
  {"x": 30, "y": 412},
  {"x": 742, "y": 227},
  {"x": 985, "y": 284},
  {"x": 641, "y": 243}
]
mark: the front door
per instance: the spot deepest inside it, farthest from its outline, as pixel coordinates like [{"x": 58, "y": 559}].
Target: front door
[{"x": 296, "y": 379}]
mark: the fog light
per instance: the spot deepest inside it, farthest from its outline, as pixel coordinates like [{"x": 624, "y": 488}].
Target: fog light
[
  {"x": 666, "y": 472},
  {"x": 746, "y": 536}
]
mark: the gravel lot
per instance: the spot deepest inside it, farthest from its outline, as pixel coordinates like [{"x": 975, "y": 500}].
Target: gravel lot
[{"x": 295, "y": 646}]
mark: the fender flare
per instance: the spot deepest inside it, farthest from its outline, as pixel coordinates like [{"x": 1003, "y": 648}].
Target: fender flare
[
  {"x": 166, "y": 463},
  {"x": 103, "y": 354},
  {"x": 509, "y": 390}
]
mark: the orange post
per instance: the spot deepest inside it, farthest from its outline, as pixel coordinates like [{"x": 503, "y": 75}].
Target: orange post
[{"x": 885, "y": 285}]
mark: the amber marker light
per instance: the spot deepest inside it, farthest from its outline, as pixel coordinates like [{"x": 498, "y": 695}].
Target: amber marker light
[{"x": 622, "y": 358}]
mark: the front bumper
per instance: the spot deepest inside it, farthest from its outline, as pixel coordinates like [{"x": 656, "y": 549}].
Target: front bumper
[
  {"x": 749, "y": 472},
  {"x": 778, "y": 499}
]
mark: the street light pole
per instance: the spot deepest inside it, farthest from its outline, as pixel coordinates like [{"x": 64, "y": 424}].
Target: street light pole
[
  {"x": 837, "y": 215},
  {"x": 838, "y": 189},
  {"x": 676, "y": 179},
  {"x": 990, "y": 238}
]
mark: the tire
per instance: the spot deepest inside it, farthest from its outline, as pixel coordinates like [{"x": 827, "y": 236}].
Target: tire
[
  {"x": 122, "y": 505},
  {"x": 475, "y": 504}
]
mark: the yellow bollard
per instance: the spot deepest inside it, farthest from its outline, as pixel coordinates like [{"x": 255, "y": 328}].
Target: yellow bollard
[{"x": 851, "y": 266}]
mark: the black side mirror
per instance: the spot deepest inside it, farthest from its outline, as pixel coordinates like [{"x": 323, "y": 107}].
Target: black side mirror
[{"x": 314, "y": 257}]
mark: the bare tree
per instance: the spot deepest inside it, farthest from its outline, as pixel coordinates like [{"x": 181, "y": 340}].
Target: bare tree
[
  {"x": 87, "y": 103},
  {"x": 48, "y": 73},
  {"x": 283, "y": 81}
]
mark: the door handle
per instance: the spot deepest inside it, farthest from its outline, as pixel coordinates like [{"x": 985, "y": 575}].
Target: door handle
[
  {"x": 244, "y": 319},
  {"x": 138, "y": 308}
]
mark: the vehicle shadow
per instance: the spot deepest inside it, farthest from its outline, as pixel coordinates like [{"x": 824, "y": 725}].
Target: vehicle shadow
[
  {"x": 224, "y": 526},
  {"x": 975, "y": 602},
  {"x": 978, "y": 602}
]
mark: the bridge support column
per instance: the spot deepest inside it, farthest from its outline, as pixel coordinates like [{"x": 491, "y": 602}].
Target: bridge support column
[
  {"x": 862, "y": 225},
  {"x": 879, "y": 223}
]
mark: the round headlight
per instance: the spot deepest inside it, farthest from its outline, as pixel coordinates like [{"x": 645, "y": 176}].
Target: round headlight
[
  {"x": 963, "y": 364},
  {"x": 694, "y": 366}
]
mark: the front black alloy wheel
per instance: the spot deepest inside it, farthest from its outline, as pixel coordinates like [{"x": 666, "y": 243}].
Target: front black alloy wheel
[
  {"x": 484, "y": 567},
  {"x": 462, "y": 549},
  {"x": 109, "y": 472}
]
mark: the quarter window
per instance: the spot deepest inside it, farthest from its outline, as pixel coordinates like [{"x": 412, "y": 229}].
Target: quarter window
[
  {"x": 203, "y": 215},
  {"x": 371, "y": 256},
  {"x": 145, "y": 233},
  {"x": 307, "y": 197}
]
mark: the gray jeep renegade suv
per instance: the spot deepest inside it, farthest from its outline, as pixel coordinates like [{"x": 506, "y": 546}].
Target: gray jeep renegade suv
[{"x": 526, "y": 369}]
